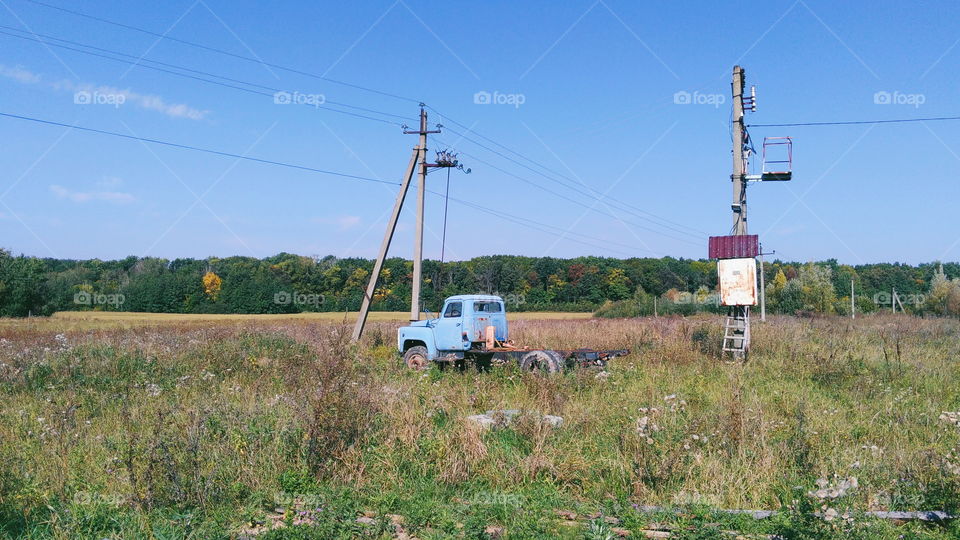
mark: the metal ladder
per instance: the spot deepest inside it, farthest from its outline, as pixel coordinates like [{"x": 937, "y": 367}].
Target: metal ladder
[{"x": 736, "y": 331}]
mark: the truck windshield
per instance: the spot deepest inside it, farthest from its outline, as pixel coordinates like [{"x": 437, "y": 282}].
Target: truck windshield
[
  {"x": 486, "y": 307},
  {"x": 453, "y": 309}
]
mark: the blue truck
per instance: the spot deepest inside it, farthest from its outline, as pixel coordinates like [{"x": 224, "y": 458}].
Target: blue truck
[{"x": 473, "y": 329}]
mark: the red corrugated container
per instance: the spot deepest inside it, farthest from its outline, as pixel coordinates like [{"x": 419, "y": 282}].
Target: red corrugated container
[{"x": 734, "y": 247}]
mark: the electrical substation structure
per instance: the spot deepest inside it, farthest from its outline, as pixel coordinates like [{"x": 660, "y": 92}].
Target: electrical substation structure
[{"x": 736, "y": 253}]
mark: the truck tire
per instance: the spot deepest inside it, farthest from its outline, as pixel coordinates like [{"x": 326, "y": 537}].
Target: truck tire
[
  {"x": 542, "y": 361},
  {"x": 416, "y": 358}
]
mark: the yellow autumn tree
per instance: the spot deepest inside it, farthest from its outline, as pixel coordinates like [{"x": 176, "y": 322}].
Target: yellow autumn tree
[{"x": 211, "y": 285}]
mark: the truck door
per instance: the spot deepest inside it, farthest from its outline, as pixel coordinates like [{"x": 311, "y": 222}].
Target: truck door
[{"x": 450, "y": 326}]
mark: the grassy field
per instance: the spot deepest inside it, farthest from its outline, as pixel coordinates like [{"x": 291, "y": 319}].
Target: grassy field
[
  {"x": 73, "y": 320},
  {"x": 279, "y": 427}
]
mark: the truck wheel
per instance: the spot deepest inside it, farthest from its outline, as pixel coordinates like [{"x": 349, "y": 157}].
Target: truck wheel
[
  {"x": 416, "y": 358},
  {"x": 542, "y": 361}
]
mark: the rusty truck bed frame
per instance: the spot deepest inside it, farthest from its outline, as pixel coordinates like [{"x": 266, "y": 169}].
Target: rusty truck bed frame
[{"x": 573, "y": 357}]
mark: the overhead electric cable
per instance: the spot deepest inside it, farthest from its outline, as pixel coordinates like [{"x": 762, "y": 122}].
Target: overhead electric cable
[
  {"x": 575, "y": 185},
  {"x": 526, "y": 222},
  {"x": 224, "y": 52},
  {"x": 145, "y": 63},
  {"x": 858, "y": 122}
]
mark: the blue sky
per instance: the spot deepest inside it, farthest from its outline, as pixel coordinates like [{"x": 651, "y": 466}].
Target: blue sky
[{"x": 588, "y": 90}]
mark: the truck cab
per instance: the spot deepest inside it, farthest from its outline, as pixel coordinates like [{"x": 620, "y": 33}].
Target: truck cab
[{"x": 460, "y": 331}]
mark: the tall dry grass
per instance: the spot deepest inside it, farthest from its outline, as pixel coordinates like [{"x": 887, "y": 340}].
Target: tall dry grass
[{"x": 114, "y": 431}]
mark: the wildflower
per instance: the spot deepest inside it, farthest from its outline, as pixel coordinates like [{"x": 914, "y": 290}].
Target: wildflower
[{"x": 153, "y": 390}]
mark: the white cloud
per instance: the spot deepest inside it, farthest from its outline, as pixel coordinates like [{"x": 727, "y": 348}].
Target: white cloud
[
  {"x": 19, "y": 74},
  {"x": 150, "y": 102},
  {"x": 112, "y": 95},
  {"x": 114, "y": 197}
]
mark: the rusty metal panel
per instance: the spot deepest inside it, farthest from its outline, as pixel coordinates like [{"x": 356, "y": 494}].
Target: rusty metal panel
[
  {"x": 738, "y": 281},
  {"x": 734, "y": 247}
]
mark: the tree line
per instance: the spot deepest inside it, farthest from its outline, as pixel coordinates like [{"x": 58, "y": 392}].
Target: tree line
[{"x": 288, "y": 283}]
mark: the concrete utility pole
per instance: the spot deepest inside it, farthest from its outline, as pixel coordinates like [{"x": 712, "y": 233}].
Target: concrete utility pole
[
  {"x": 738, "y": 178},
  {"x": 853, "y": 304},
  {"x": 421, "y": 194},
  {"x": 763, "y": 290},
  {"x": 419, "y": 156},
  {"x": 418, "y": 238},
  {"x": 384, "y": 246}
]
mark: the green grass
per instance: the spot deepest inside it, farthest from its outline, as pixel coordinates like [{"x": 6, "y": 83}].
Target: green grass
[{"x": 178, "y": 430}]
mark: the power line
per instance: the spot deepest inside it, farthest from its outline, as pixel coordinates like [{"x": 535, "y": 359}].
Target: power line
[
  {"x": 226, "y": 53},
  {"x": 196, "y": 148},
  {"x": 611, "y": 202},
  {"x": 593, "y": 194},
  {"x": 542, "y": 227},
  {"x": 140, "y": 63},
  {"x": 858, "y": 122},
  {"x": 574, "y": 201}
]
